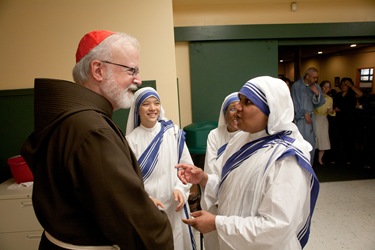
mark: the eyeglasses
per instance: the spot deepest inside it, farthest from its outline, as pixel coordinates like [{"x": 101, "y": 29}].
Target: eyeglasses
[
  {"x": 232, "y": 109},
  {"x": 131, "y": 70}
]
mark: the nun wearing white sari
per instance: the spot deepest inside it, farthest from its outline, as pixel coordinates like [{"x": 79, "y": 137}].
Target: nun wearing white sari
[
  {"x": 219, "y": 137},
  {"x": 217, "y": 141},
  {"x": 267, "y": 190},
  {"x": 159, "y": 145}
]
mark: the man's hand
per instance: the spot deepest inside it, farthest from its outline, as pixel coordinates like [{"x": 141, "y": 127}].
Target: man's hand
[
  {"x": 308, "y": 118},
  {"x": 314, "y": 89},
  {"x": 157, "y": 202}
]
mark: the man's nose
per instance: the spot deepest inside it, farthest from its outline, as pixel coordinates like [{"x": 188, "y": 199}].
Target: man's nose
[{"x": 137, "y": 80}]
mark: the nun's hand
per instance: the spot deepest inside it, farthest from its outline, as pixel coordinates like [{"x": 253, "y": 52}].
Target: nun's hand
[
  {"x": 191, "y": 174},
  {"x": 202, "y": 220},
  {"x": 179, "y": 198}
]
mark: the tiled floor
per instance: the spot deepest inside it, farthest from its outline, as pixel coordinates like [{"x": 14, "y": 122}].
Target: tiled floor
[{"x": 344, "y": 217}]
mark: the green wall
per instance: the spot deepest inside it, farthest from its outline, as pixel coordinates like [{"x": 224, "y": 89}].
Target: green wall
[
  {"x": 17, "y": 122},
  {"x": 219, "y": 68}
]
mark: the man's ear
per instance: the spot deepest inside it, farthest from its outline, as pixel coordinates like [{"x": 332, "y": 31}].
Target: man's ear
[{"x": 97, "y": 71}]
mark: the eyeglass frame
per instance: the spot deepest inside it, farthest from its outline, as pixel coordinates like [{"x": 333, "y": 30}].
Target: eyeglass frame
[
  {"x": 133, "y": 70},
  {"x": 232, "y": 109}
]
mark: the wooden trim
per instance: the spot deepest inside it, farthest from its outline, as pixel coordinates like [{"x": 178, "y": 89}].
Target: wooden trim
[{"x": 363, "y": 30}]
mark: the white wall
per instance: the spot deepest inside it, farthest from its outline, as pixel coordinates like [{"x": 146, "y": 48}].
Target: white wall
[{"x": 39, "y": 39}]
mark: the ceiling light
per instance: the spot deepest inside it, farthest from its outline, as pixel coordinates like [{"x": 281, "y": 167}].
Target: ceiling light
[
  {"x": 320, "y": 52},
  {"x": 281, "y": 60},
  {"x": 353, "y": 45}
]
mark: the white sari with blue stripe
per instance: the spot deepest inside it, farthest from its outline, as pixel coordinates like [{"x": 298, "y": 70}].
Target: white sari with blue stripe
[
  {"x": 283, "y": 147},
  {"x": 266, "y": 191},
  {"x": 158, "y": 150},
  {"x": 216, "y": 143},
  {"x": 249, "y": 207}
]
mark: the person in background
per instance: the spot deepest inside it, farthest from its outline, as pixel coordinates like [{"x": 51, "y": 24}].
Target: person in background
[
  {"x": 159, "y": 145},
  {"x": 345, "y": 103},
  {"x": 88, "y": 191},
  {"x": 307, "y": 95},
  {"x": 321, "y": 122},
  {"x": 217, "y": 141},
  {"x": 267, "y": 190}
]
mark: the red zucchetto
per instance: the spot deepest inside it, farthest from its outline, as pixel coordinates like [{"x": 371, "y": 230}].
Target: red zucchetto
[{"x": 90, "y": 41}]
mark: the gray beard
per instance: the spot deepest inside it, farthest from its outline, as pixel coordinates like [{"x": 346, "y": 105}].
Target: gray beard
[{"x": 120, "y": 98}]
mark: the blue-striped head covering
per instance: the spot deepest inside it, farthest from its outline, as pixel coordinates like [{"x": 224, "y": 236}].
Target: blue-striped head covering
[
  {"x": 144, "y": 95},
  {"x": 272, "y": 96},
  {"x": 251, "y": 91},
  {"x": 140, "y": 96},
  {"x": 228, "y": 100},
  {"x": 233, "y": 97}
]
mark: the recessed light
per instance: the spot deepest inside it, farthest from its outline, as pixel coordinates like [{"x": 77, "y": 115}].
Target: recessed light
[
  {"x": 281, "y": 60},
  {"x": 353, "y": 45},
  {"x": 320, "y": 52}
]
